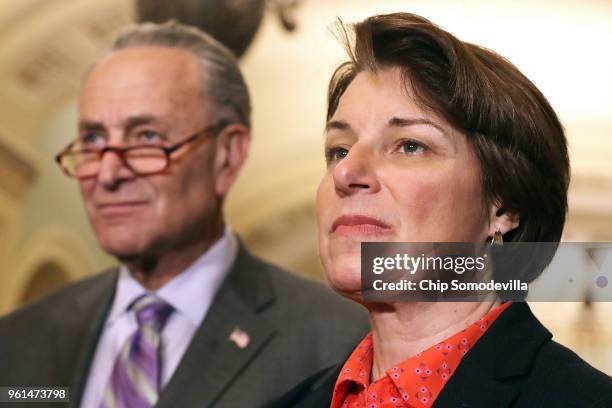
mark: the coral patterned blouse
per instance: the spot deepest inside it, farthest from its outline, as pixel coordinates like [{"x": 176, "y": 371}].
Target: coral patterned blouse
[{"x": 414, "y": 383}]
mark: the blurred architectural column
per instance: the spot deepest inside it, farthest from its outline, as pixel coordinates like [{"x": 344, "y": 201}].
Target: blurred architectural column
[
  {"x": 45, "y": 47},
  {"x": 17, "y": 171}
]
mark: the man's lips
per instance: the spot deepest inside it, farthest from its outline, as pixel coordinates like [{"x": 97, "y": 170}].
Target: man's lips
[
  {"x": 119, "y": 207},
  {"x": 357, "y": 224}
]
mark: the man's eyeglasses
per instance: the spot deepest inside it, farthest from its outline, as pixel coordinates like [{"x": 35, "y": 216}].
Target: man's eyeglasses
[{"x": 142, "y": 160}]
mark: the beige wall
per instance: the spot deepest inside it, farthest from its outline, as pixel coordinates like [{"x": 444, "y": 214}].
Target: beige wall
[{"x": 45, "y": 46}]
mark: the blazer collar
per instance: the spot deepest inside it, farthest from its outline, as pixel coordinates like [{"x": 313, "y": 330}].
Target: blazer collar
[
  {"x": 213, "y": 360},
  {"x": 92, "y": 305},
  {"x": 505, "y": 352}
]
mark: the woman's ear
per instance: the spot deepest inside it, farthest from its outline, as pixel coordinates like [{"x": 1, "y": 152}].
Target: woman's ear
[
  {"x": 502, "y": 219},
  {"x": 232, "y": 151}
]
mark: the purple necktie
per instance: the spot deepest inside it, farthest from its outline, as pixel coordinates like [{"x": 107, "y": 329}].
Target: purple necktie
[{"x": 136, "y": 378}]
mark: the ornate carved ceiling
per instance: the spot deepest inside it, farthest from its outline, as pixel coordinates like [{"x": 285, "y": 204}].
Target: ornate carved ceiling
[{"x": 46, "y": 46}]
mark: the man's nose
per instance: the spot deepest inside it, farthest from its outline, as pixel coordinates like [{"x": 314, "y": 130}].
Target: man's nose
[
  {"x": 355, "y": 173},
  {"x": 113, "y": 170}
]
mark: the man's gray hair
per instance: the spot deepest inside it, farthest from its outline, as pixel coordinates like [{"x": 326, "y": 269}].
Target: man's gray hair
[{"x": 222, "y": 80}]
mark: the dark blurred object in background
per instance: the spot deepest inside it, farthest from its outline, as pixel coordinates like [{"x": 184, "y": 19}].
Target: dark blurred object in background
[{"x": 232, "y": 22}]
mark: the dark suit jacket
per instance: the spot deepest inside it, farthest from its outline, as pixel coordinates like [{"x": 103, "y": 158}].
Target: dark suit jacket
[
  {"x": 514, "y": 364},
  {"x": 296, "y": 327}
]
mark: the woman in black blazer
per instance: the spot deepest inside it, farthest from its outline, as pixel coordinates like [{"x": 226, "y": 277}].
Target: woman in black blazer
[{"x": 432, "y": 139}]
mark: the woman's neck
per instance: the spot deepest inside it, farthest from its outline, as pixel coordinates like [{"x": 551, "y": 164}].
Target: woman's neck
[{"x": 401, "y": 330}]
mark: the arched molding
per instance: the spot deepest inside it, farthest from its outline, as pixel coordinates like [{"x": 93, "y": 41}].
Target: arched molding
[
  {"x": 19, "y": 165},
  {"x": 44, "y": 53},
  {"x": 55, "y": 245}
]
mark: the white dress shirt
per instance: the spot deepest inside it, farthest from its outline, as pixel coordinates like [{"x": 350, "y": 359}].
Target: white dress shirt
[{"x": 190, "y": 293}]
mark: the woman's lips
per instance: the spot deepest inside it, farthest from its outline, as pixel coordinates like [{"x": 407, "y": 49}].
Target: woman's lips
[{"x": 356, "y": 224}]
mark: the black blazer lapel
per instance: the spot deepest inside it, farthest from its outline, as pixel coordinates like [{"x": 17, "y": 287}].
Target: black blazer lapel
[
  {"x": 489, "y": 375},
  {"x": 473, "y": 389},
  {"x": 212, "y": 360},
  {"x": 314, "y": 392}
]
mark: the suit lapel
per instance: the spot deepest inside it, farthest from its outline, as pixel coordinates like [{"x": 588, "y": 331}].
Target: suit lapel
[
  {"x": 470, "y": 388},
  {"x": 505, "y": 351},
  {"x": 92, "y": 306},
  {"x": 315, "y": 391},
  {"x": 322, "y": 389},
  {"x": 212, "y": 361}
]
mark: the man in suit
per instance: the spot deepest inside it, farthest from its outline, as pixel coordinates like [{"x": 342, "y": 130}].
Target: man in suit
[{"x": 190, "y": 318}]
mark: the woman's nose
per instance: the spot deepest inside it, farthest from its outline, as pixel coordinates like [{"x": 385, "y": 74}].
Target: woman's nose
[{"x": 356, "y": 173}]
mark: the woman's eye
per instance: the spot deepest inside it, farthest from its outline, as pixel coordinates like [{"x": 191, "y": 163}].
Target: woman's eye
[
  {"x": 335, "y": 153},
  {"x": 411, "y": 147}
]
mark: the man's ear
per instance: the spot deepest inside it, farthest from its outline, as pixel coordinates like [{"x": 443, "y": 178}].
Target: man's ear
[
  {"x": 502, "y": 219},
  {"x": 232, "y": 150}
]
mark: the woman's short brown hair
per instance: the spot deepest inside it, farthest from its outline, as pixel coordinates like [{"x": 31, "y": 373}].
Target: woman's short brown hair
[{"x": 515, "y": 132}]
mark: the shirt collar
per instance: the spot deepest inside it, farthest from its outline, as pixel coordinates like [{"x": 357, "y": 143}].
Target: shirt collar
[
  {"x": 411, "y": 378},
  {"x": 191, "y": 292}
]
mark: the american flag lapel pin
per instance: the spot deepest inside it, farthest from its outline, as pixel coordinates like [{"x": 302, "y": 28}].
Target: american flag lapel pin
[{"x": 240, "y": 338}]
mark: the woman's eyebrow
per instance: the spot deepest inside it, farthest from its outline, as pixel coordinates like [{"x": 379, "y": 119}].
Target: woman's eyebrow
[
  {"x": 338, "y": 125},
  {"x": 397, "y": 122},
  {"x": 394, "y": 122},
  {"x": 404, "y": 122}
]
